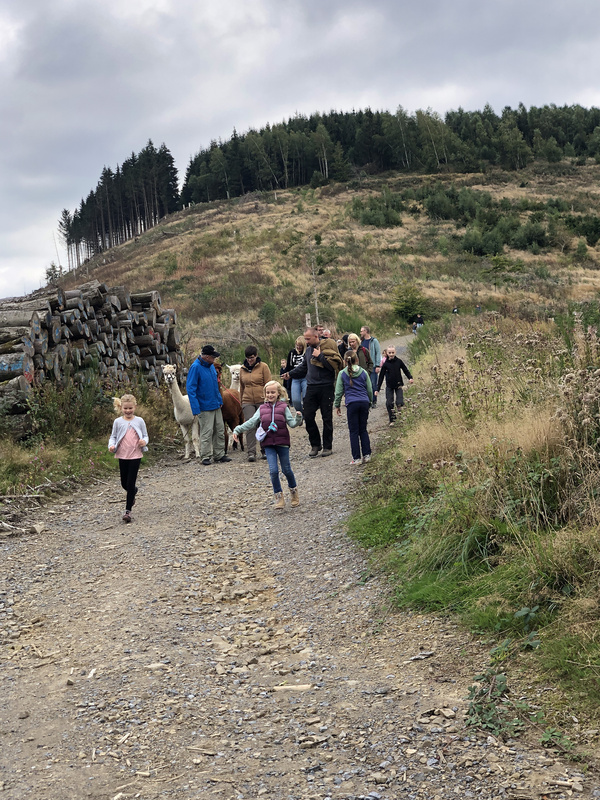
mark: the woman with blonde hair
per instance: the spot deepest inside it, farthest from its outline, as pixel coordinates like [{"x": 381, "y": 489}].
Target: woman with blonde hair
[
  {"x": 298, "y": 385},
  {"x": 364, "y": 357}
]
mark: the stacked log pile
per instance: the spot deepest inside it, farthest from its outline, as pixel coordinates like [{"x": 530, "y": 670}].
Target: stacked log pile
[{"x": 74, "y": 335}]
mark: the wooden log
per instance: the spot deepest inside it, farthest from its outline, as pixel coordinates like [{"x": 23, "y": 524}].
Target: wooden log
[
  {"x": 123, "y": 294},
  {"x": 66, "y": 332},
  {"x": 63, "y": 353},
  {"x": 14, "y": 364},
  {"x": 18, "y": 346},
  {"x": 173, "y": 339},
  {"x": 114, "y": 303},
  {"x": 145, "y": 341},
  {"x": 97, "y": 348},
  {"x": 29, "y": 318},
  {"x": 13, "y": 395},
  {"x": 79, "y": 344},
  {"x": 168, "y": 315},
  {"x": 146, "y": 298},
  {"x": 40, "y": 347},
  {"x": 14, "y": 332},
  {"x": 57, "y": 303},
  {"x": 76, "y": 328},
  {"x": 74, "y": 302},
  {"x": 55, "y": 330}
]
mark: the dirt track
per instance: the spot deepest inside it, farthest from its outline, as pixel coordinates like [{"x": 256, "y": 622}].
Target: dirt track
[{"x": 217, "y": 648}]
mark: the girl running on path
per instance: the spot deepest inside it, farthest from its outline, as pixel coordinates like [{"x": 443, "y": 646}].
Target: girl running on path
[
  {"x": 273, "y": 417},
  {"x": 128, "y": 441},
  {"x": 354, "y": 382}
]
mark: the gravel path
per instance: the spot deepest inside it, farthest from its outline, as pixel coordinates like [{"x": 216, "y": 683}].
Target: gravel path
[{"x": 217, "y": 648}]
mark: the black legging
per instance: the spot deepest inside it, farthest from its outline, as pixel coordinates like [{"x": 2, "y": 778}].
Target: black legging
[{"x": 128, "y": 467}]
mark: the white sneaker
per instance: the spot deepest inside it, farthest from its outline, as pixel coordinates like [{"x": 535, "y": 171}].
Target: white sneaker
[
  {"x": 355, "y": 461},
  {"x": 366, "y": 459}
]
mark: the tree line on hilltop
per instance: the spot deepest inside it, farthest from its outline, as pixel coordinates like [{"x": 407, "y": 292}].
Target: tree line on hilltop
[{"x": 314, "y": 150}]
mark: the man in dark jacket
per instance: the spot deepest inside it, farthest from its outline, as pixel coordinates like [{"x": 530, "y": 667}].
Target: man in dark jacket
[
  {"x": 206, "y": 401},
  {"x": 392, "y": 370},
  {"x": 320, "y": 365}
]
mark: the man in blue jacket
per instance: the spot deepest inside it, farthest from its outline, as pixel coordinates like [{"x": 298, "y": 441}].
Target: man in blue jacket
[{"x": 206, "y": 401}]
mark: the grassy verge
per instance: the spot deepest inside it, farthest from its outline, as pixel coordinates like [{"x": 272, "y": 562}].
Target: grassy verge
[{"x": 486, "y": 504}]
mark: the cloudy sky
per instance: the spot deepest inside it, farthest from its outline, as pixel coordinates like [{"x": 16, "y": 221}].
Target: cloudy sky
[{"x": 83, "y": 83}]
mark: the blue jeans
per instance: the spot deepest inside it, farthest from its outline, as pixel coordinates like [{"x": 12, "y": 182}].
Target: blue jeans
[
  {"x": 272, "y": 451},
  {"x": 298, "y": 392},
  {"x": 358, "y": 414}
]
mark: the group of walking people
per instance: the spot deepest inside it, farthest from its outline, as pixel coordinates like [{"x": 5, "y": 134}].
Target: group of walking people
[{"x": 318, "y": 373}]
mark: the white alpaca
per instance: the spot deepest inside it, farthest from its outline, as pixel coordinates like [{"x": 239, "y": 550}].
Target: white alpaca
[
  {"x": 183, "y": 412},
  {"x": 234, "y": 371}
]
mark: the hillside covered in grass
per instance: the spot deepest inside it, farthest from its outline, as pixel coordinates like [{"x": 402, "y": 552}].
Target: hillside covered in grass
[{"x": 524, "y": 243}]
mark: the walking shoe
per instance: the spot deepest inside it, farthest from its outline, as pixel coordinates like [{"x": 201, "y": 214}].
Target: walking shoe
[
  {"x": 206, "y": 462},
  {"x": 252, "y": 459},
  {"x": 295, "y": 499},
  {"x": 326, "y": 453},
  {"x": 263, "y": 456},
  {"x": 127, "y": 516},
  {"x": 222, "y": 460},
  {"x": 279, "y": 500},
  {"x": 355, "y": 461},
  {"x": 366, "y": 459},
  {"x": 391, "y": 423},
  {"x": 374, "y": 404},
  {"x": 314, "y": 452}
]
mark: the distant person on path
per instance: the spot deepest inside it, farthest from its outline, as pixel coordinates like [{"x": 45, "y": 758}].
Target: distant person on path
[
  {"x": 354, "y": 383},
  {"x": 374, "y": 349},
  {"x": 419, "y": 320},
  {"x": 206, "y": 401},
  {"x": 391, "y": 370},
  {"x": 320, "y": 366},
  {"x": 364, "y": 357},
  {"x": 298, "y": 386},
  {"x": 274, "y": 417},
  {"x": 128, "y": 441},
  {"x": 254, "y": 376}
]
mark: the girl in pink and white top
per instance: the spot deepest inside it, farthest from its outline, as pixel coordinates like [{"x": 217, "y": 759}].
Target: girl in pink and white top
[{"x": 128, "y": 441}]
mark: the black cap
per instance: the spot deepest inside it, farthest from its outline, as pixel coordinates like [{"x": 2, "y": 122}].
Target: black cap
[{"x": 209, "y": 350}]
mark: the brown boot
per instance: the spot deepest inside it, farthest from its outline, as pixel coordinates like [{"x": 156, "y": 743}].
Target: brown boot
[
  {"x": 279, "y": 501},
  {"x": 295, "y": 499}
]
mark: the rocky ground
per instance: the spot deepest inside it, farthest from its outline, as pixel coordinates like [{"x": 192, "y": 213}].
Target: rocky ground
[{"x": 217, "y": 648}]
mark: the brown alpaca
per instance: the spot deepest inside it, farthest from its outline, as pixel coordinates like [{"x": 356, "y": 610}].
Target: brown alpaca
[{"x": 231, "y": 409}]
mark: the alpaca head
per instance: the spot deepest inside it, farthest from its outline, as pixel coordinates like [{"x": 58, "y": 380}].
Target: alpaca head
[
  {"x": 234, "y": 371},
  {"x": 170, "y": 374}
]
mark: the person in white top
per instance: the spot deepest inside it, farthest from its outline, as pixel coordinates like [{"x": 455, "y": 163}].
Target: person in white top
[{"x": 128, "y": 441}]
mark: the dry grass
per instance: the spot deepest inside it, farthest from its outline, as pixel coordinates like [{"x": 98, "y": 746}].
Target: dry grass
[{"x": 219, "y": 263}]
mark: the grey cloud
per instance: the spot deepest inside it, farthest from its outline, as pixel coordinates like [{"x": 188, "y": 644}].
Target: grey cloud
[{"x": 84, "y": 83}]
